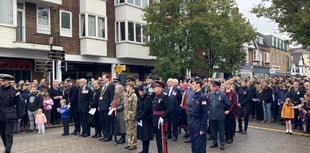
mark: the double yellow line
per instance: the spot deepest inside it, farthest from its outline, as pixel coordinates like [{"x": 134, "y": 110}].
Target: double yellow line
[{"x": 276, "y": 130}]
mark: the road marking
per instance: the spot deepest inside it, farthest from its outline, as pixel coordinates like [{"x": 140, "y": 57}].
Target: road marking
[{"x": 276, "y": 130}]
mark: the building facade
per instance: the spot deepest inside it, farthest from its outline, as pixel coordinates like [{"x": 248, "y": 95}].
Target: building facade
[
  {"x": 300, "y": 62},
  {"x": 94, "y": 35}
]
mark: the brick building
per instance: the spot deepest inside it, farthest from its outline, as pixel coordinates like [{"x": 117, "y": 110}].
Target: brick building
[{"x": 95, "y": 35}]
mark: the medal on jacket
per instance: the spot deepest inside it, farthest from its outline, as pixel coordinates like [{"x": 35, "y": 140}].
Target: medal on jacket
[{"x": 100, "y": 98}]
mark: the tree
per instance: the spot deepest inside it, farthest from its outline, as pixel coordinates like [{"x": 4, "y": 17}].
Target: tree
[
  {"x": 292, "y": 16},
  {"x": 183, "y": 30}
]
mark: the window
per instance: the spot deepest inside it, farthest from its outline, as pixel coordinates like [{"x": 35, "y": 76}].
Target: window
[
  {"x": 101, "y": 27},
  {"x": 43, "y": 20},
  {"x": 134, "y": 32},
  {"x": 131, "y": 31},
  {"x": 139, "y": 3},
  {"x": 65, "y": 23},
  {"x": 92, "y": 26},
  {"x": 6, "y": 11}
]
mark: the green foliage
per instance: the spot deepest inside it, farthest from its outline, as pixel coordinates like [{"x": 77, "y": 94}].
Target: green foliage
[
  {"x": 180, "y": 28},
  {"x": 293, "y": 16}
]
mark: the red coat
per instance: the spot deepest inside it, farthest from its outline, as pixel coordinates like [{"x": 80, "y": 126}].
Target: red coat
[{"x": 232, "y": 96}]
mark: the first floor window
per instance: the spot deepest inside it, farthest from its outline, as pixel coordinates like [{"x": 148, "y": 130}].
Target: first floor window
[
  {"x": 130, "y": 31},
  {"x": 43, "y": 20},
  {"x": 6, "y": 11},
  {"x": 65, "y": 23},
  {"x": 92, "y": 26}
]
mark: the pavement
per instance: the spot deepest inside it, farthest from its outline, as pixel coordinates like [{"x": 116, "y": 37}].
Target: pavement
[{"x": 261, "y": 138}]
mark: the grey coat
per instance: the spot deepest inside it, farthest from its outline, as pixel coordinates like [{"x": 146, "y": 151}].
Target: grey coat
[
  {"x": 119, "y": 122},
  {"x": 218, "y": 103}
]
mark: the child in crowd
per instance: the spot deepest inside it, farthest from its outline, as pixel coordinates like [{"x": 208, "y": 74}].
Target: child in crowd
[
  {"x": 287, "y": 114},
  {"x": 40, "y": 121},
  {"x": 303, "y": 117},
  {"x": 47, "y": 106},
  {"x": 65, "y": 116}
]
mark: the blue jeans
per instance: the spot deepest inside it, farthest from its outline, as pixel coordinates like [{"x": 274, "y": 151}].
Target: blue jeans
[{"x": 267, "y": 111}]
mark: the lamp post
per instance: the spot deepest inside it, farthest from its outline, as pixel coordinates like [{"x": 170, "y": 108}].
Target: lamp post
[{"x": 51, "y": 42}]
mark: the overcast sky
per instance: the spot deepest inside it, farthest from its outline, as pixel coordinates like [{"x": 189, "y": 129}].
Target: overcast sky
[{"x": 262, "y": 25}]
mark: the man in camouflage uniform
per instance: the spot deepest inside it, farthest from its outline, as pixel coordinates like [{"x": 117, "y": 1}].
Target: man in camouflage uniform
[{"x": 130, "y": 106}]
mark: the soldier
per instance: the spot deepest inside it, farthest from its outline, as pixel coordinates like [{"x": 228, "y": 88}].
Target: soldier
[
  {"x": 161, "y": 110},
  {"x": 149, "y": 84},
  {"x": 218, "y": 102},
  {"x": 198, "y": 114},
  {"x": 130, "y": 106},
  {"x": 10, "y": 111}
]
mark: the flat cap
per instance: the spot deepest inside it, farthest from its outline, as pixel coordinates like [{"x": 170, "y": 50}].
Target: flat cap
[{"x": 6, "y": 77}]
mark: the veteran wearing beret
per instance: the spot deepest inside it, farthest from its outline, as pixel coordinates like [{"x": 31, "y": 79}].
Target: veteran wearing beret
[{"x": 10, "y": 110}]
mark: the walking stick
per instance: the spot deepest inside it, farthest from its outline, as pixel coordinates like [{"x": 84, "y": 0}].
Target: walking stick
[{"x": 115, "y": 127}]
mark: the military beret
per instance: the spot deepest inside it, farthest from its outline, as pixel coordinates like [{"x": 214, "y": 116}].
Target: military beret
[
  {"x": 159, "y": 84},
  {"x": 216, "y": 83},
  {"x": 6, "y": 77}
]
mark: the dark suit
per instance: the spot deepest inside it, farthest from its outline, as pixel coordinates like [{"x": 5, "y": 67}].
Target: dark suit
[
  {"x": 10, "y": 111},
  {"x": 106, "y": 95},
  {"x": 73, "y": 96},
  {"x": 295, "y": 95},
  {"x": 55, "y": 116},
  {"x": 175, "y": 98},
  {"x": 84, "y": 97}
]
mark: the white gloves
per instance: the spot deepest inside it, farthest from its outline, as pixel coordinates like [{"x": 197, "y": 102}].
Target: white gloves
[{"x": 160, "y": 122}]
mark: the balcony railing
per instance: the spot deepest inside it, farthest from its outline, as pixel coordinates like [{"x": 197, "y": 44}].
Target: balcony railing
[{"x": 36, "y": 36}]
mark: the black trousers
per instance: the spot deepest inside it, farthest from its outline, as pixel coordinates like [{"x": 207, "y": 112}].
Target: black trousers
[
  {"x": 145, "y": 146},
  {"x": 230, "y": 126},
  {"x": 65, "y": 124},
  {"x": 246, "y": 122},
  {"x": 159, "y": 140},
  {"x": 77, "y": 122},
  {"x": 84, "y": 122},
  {"x": 106, "y": 123},
  {"x": 173, "y": 124},
  {"x": 6, "y": 129}
]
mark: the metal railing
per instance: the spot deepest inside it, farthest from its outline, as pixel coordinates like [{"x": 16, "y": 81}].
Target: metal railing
[{"x": 36, "y": 36}]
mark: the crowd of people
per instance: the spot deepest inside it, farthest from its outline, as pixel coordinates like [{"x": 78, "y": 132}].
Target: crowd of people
[{"x": 142, "y": 110}]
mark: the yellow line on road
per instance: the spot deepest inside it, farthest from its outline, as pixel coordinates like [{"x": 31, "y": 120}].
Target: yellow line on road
[{"x": 277, "y": 130}]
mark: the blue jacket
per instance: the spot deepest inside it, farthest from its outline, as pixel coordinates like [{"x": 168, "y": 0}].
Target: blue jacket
[
  {"x": 175, "y": 96},
  {"x": 198, "y": 112},
  {"x": 66, "y": 113},
  {"x": 218, "y": 102}
]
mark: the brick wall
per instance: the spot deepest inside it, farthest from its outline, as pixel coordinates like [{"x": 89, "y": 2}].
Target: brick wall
[{"x": 111, "y": 47}]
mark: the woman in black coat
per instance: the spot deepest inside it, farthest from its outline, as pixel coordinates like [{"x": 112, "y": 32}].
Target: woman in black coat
[{"x": 144, "y": 119}]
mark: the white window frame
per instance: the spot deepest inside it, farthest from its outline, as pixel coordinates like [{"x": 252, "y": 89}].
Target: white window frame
[
  {"x": 65, "y": 31},
  {"x": 43, "y": 29},
  {"x": 14, "y": 15},
  {"x": 118, "y": 32},
  {"x": 267, "y": 57},
  {"x": 117, "y": 2},
  {"x": 96, "y": 26}
]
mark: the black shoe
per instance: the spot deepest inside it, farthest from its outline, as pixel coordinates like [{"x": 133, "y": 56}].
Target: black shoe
[
  {"x": 244, "y": 132},
  {"x": 229, "y": 141},
  {"x": 94, "y": 136},
  {"x": 65, "y": 134},
  {"x": 126, "y": 147},
  {"x": 120, "y": 141},
  {"x": 132, "y": 148},
  {"x": 240, "y": 131},
  {"x": 214, "y": 146},
  {"x": 295, "y": 127},
  {"x": 101, "y": 139},
  {"x": 222, "y": 147},
  {"x": 29, "y": 131},
  {"x": 187, "y": 141},
  {"x": 73, "y": 133},
  {"x": 107, "y": 139},
  {"x": 174, "y": 138}
]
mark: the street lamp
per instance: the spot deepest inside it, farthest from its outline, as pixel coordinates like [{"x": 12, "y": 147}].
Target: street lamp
[{"x": 51, "y": 42}]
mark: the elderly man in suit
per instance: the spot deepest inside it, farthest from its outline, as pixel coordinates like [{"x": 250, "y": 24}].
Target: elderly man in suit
[{"x": 84, "y": 98}]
